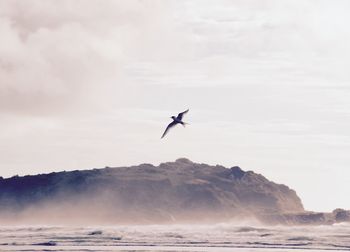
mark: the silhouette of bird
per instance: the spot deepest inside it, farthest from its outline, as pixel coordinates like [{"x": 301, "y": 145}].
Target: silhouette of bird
[{"x": 176, "y": 120}]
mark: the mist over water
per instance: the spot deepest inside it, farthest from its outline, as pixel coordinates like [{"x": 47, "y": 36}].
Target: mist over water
[{"x": 218, "y": 237}]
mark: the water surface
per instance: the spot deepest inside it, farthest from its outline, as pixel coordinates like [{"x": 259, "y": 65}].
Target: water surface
[{"x": 219, "y": 237}]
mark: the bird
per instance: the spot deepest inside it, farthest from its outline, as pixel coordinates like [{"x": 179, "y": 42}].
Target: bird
[{"x": 176, "y": 120}]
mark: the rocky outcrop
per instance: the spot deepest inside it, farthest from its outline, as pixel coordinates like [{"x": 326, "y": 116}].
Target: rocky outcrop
[
  {"x": 307, "y": 218},
  {"x": 180, "y": 191},
  {"x": 175, "y": 191}
]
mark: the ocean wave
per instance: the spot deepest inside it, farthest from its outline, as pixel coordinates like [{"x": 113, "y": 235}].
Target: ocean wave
[{"x": 330, "y": 237}]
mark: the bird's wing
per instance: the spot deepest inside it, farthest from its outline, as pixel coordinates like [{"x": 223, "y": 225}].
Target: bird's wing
[
  {"x": 179, "y": 116},
  {"x": 172, "y": 124}
]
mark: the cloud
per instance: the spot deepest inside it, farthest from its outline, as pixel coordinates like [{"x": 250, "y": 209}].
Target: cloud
[{"x": 55, "y": 56}]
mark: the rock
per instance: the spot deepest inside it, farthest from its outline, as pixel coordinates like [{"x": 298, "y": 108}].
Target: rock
[{"x": 341, "y": 215}]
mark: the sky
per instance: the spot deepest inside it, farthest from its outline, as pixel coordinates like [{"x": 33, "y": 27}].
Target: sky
[{"x": 88, "y": 84}]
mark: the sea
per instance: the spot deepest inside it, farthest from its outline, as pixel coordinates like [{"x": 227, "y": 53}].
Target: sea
[{"x": 216, "y": 237}]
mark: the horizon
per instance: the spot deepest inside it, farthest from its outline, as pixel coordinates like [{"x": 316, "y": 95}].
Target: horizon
[{"x": 85, "y": 84}]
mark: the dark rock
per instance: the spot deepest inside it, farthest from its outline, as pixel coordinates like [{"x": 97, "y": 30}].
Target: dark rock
[{"x": 341, "y": 215}]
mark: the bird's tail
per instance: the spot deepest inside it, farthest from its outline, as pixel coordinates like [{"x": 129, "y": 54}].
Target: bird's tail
[{"x": 184, "y": 124}]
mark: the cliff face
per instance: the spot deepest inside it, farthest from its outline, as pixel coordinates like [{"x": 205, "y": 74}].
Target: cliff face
[{"x": 174, "y": 191}]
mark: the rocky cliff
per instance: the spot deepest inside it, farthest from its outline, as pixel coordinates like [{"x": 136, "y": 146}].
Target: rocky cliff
[{"x": 177, "y": 191}]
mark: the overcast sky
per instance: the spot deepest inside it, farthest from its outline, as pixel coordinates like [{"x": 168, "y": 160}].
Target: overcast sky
[{"x": 87, "y": 84}]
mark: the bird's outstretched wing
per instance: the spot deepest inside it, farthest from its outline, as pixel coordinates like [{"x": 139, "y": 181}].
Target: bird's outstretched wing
[
  {"x": 179, "y": 116},
  {"x": 172, "y": 124}
]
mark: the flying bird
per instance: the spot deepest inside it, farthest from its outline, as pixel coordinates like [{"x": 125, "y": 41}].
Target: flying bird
[{"x": 176, "y": 120}]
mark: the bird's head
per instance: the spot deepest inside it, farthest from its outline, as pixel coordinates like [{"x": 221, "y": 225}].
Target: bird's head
[{"x": 173, "y": 117}]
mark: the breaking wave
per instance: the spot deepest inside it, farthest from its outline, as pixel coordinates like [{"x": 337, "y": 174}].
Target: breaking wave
[{"x": 174, "y": 238}]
